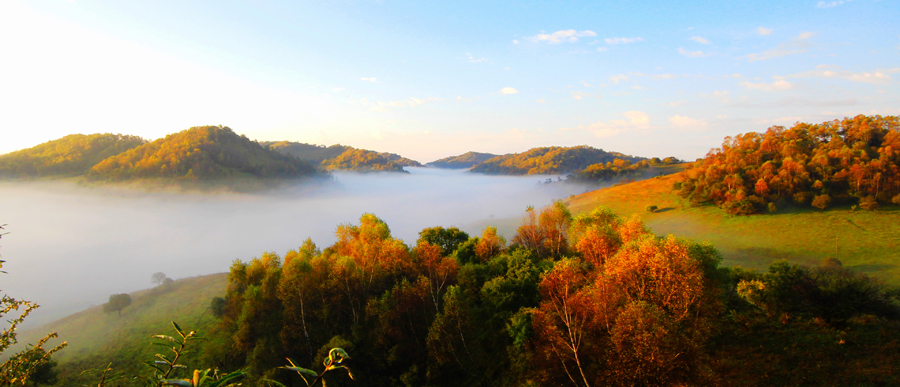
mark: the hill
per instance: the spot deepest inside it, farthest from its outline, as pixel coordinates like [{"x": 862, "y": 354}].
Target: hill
[
  {"x": 97, "y": 339},
  {"x": 866, "y": 241},
  {"x": 465, "y": 160},
  {"x": 549, "y": 160},
  {"x": 342, "y": 157},
  {"x": 70, "y": 156},
  {"x": 200, "y": 153}
]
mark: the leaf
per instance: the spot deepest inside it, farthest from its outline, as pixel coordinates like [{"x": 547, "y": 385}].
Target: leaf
[
  {"x": 178, "y": 328},
  {"x": 303, "y": 371},
  {"x": 348, "y": 370},
  {"x": 276, "y": 383},
  {"x": 164, "y": 337},
  {"x": 176, "y": 382}
]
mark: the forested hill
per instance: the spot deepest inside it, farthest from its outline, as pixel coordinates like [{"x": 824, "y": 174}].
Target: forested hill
[
  {"x": 854, "y": 160},
  {"x": 465, "y": 160},
  {"x": 200, "y": 153},
  {"x": 549, "y": 160},
  {"x": 72, "y": 155},
  {"x": 342, "y": 157}
]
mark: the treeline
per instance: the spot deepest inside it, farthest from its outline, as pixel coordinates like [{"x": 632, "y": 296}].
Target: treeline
[
  {"x": 465, "y": 160},
  {"x": 854, "y": 160},
  {"x": 620, "y": 169},
  {"x": 198, "y": 153},
  {"x": 549, "y": 160},
  {"x": 590, "y": 300},
  {"x": 70, "y": 156},
  {"x": 202, "y": 152},
  {"x": 342, "y": 157}
]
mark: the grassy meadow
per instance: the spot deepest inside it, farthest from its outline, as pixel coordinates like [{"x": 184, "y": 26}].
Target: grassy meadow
[
  {"x": 96, "y": 338},
  {"x": 868, "y": 241}
]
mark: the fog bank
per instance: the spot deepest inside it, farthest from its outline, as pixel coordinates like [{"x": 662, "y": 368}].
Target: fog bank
[{"x": 70, "y": 247}]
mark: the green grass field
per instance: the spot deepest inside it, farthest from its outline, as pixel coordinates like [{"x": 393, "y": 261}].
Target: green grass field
[
  {"x": 96, "y": 338},
  {"x": 868, "y": 241}
]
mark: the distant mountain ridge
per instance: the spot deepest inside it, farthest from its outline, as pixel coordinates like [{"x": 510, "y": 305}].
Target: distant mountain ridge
[
  {"x": 549, "y": 160},
  {"x": 465, "y": 160},
  {"x": 342, "y": 157}
]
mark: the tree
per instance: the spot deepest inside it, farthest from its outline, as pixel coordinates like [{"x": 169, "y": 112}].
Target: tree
[
  {"x": 158, "y": 278},
  {"x": 116, "y": 303}
]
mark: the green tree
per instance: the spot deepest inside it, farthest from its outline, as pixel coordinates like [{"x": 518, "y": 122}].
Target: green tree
[{"x": 116, "y": 303}]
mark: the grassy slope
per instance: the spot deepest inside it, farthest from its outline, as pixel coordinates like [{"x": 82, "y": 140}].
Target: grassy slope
[
  {"x": 96, "y": 338},
  {"x": 866, "y": 241}
]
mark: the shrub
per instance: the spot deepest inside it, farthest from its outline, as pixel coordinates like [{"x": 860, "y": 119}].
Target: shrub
[
  {"x": 652, "y": 208},
  {"x": 868, "y": 203},
  {"x": 821, "y": 202},
  {"x": 896, "y": 199},
  {"x": 772, "y": 208}
]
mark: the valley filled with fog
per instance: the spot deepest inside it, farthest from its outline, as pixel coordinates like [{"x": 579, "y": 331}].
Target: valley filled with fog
[{"x": 70, "y": 247}]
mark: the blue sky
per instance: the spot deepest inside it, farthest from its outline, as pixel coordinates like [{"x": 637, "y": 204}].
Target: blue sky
[{"x": 431, "y": 80}]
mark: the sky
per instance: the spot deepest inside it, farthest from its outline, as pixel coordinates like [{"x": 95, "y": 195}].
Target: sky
[{"x": 428, "y": 80}]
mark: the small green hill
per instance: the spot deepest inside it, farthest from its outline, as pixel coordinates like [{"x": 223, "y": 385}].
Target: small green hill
[
  {"x": 867, "y": 241},
  {"x": 200, "y": 153},
  {"x": 342, "y": 157},
  {"x": 96, "y": 338},
  {"x": 549, "y": 160},
  {"x": 70, "y": 156},
  {"x": 465, "y": 160}
]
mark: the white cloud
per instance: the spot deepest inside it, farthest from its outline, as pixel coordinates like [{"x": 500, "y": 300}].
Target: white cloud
[
  {"x": 795, "y": 46},
  {"x": 568, "y": 36},
  {"x": 637, "y": 87},
  {"x": 764, "y": 31},
  {"x": 700, "y": 40},
  {"x": 623, "y": 40},
  {"x": 508, "y": 90},
  {"x": 777, "y": 85},
  {"x": 835, "y": 3},
  {"x": 515, "y": 41},
  {"x": 835, "y": 72},
  {"x": 656, "y": 76},
  {"x": 579, "y": 95},
  {"x": 372, "y": 79},
  {"x": 541, "y": 101},
  {"x": 693, "y": 54},
  {"x": 687, "y": 122},
  {"x": 338, "y": 89},
  {"x": 618, "y": 78},
  {"x": 634, "y": 120},
  {"x": 585, "y": 84},
  {"x": 677, "y": 103},
  {"x": 602, "y": 49}
]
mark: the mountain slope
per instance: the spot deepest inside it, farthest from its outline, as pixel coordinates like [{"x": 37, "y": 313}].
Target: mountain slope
[
  {"x": 465, "y": 160},
  {"x": 549, "y": 160},
  {"x": 69, "y": 156},
  {"x": 204, "y": 153},
  {"x": 866, "y": 241}
]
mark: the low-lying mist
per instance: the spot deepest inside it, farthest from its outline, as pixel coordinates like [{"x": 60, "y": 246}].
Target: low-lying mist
[{"x": 70, "y": 247}]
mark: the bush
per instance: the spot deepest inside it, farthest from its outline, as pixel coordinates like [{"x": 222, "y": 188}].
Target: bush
[
  {"x": 740, "y": 207},
  {"x": 821, "y": 202},
  {"x": 802, "y": 197},
  {"x": 868, "y": 203},
  {"x": 896, "y": 199},
  {"x": 652, "y": 208},
  {"x": 772, "y": 208}
]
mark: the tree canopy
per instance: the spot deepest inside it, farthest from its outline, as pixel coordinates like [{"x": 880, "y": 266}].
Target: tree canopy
[
  {"x": 72, "y": 155},
  {"x": 549, "y": 160}
]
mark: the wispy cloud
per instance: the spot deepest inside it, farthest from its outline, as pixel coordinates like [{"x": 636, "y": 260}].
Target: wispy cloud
[
  {"x": 700, "y": 40},
  {"x": 797, "y": 45},
  {"x": 372, "y": 79},
  {"x": 633, "y": 120},
  {"x": 655, "y": 76},
  {"x": 774, "y": 86},
  {"x": 508, "y": 90},
  {"x": 618, "y": 78},
  {"x": 579, "y": 95},
  {"x": 473, "y": 59},
  {"x": 688, "y": 123},
  {"x": 693, "y": 54},
  {"x": 764, "y": 31},
  {"x": 878, "y": 77},
  {"x": 623, "y": 40},
  {"x": 567, "y": 36},
  {"x": 602, "y": 49},
  {"x": 832, "y": 4}
]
